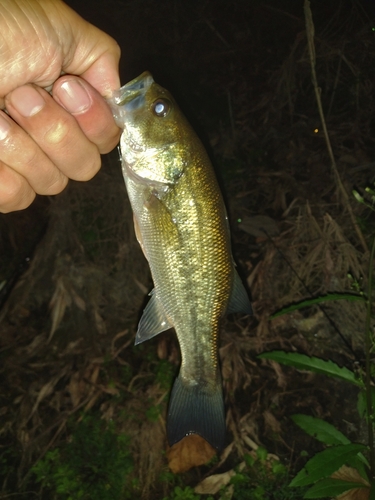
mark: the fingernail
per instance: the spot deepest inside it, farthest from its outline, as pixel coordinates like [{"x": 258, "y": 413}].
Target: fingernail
[
  {"x": 73, "y": 96},
  {"x": 27, "y": 101},
  {"x": 4, "y": 127}
]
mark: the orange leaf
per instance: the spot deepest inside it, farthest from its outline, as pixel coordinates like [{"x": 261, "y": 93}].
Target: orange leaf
[{"x": 190, "y": 452}]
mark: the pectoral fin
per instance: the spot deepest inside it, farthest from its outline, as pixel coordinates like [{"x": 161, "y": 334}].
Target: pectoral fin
[
  {"x": 239, "y": 300},
  {"x": 153, "y": 320}
]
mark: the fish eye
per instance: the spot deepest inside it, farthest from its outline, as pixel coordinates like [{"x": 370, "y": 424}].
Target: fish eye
[{"x": 161, "y": 107}]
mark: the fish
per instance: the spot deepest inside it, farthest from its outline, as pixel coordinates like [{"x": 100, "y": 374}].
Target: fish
[{"x": 182, "y": 227}]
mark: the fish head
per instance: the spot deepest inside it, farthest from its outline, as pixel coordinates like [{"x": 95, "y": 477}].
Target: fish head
[{"x": 155, "y": 133}]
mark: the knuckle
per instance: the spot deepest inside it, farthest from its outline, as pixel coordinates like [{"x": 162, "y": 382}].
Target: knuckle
[
  {"x": 58, "y": 133},
  {"x": 57, "y": 186},
  {"x": 88, "y": 171},
  {"x": 30, "y": 156},
  {"x": 15, "y": 194}
]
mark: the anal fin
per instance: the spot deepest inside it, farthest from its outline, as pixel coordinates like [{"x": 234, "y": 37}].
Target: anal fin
[{"x": 153, "y": 320}]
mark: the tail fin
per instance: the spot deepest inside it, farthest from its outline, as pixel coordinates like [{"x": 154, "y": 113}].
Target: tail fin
[{"x": 195, "y": 409}]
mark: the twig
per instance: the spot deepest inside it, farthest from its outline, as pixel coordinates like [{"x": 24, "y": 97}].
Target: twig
[
  {"x": 220, "y": 37},
  {"x": 310, "y": 31},
  {"x": 337, "y": 78}
]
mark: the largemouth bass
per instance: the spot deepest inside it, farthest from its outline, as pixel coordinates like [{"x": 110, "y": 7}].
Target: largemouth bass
[{"x": 181, "y": 224}]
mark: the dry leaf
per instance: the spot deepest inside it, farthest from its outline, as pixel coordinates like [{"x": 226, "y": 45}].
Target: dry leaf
[
  {"x": 190, "y": 452},
  {"x": 76, "y": 388},
  {"x": 79, "y": 302},
  {"x": 60, "y": 301},
  {"x": 100, "y": 323},
  {"x": 353, "y": 476},
  {"x": 355, "y": 494},
  {"x": 280, "y": 376},
  {"x": 271, "y": 422},
  {"x": 259, "y": 226},
  {"x": 212, "y": 484},
  {"x": 94, "y": 373},
  {"x": 46, "y": 390}
]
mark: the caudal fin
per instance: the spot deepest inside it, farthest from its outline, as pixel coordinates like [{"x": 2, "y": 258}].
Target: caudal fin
[{"x": 196, "y": 409}]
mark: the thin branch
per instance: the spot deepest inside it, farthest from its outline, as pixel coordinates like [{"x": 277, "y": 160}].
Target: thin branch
[{"x": 310, "y": 32}]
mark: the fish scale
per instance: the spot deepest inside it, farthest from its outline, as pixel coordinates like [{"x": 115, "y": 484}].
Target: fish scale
[{"x": 181, "y": 224}]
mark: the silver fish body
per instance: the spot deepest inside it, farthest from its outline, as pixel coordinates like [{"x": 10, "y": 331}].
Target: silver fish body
[{"x": 181, "y": 223}]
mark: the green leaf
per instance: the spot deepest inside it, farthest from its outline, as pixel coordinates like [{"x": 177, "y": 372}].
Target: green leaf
[
  {"x": 317, "y": 300},
  {"x": 360, "y": 463},
  {"x": 326, "y": 462},
  {"x": 331, "y": 488},
  {"x": 319, "y": 429},
  {"x": 303, "y": 362},
  {"x": 262, "y": 453}
]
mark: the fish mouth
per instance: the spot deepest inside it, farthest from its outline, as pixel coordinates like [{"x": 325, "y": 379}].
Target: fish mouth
[{"x": 130, "y": 97}]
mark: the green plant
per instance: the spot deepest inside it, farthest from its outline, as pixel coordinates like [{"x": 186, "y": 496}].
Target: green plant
[
  {"x": 186, "y": 493},
  {"x": 341, "y": 451},
  {"x": 319, "y": 469},
  {"x": 259, "y": 478},
  {"x": 94, "y": 465},
  {"x": 165, "y": 373}
]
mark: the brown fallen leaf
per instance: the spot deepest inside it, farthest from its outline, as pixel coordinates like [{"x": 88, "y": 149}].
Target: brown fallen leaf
[
  {"x": 271, "y": 422},
  {"x": 260, "y": 226},
  {"x": 61, "y": 299},
  {"x": 352, "y": 476},
  {"x": 191, "y": 451},
  {"x": 212, "y": 484}
]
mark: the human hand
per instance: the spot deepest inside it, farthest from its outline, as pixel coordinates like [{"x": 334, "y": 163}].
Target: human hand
[{"x": 44, "y": 139}]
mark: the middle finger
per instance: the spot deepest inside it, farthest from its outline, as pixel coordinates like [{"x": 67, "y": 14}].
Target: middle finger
[
  {"x": 55, "y": 131},
  {"x": 19, "y": 153}
]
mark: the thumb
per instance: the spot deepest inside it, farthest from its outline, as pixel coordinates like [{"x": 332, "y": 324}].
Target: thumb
[
  {"x": 103, "y": 73},
  {"x": 88, "y": 51}
]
